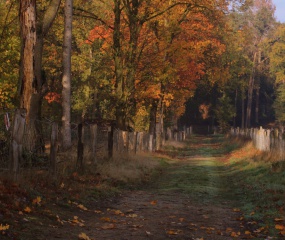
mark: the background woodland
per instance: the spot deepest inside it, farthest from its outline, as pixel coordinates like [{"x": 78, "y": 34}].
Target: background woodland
[{"x": 142, "y": 65}]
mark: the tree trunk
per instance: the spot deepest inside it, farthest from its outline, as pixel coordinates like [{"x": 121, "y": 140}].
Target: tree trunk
[
  {"x": 152, "y": 118},
  {"x": 236, "y": 96},
  {"x": 31, "y": 78},
  {"x": 242, "y": 109},
  {"x": 152, "y": 126},
  {"x": 257, "y": 89},
  {"x": 257, "y": 105},
  {"x": 28, "y": 37},
  {"x": 66, "y": 79},
  {"x": 250, "y": 93}
]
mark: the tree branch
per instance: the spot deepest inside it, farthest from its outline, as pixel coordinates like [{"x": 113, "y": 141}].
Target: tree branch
[{"x": 91, "y": 16}]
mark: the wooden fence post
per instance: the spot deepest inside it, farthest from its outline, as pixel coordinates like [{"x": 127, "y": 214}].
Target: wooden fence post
[
  {"x": 53, "y": 147},
  {"x": 94, "y": 133},
  {"x": 110, "y": 141},
  {"x": 80, "y": 149},
  {"x": 16, "y": 148}
]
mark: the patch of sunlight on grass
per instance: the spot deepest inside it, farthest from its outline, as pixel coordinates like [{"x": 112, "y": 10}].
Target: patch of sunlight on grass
[{"x": 260, "y": 190}]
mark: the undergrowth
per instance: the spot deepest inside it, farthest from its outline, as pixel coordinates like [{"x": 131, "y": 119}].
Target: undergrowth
[{"x": 259, "y": 185}]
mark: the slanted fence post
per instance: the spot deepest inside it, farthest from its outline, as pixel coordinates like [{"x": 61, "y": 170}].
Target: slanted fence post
[{"x": 16, "y": 147}]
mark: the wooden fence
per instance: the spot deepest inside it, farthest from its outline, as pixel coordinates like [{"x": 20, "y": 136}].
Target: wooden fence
[
  {"x": 91, "y": 141},
  {"x": 264, "y": 139}
]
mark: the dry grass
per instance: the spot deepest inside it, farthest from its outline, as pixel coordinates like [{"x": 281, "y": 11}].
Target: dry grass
[
  {"x": 175, "y": 144},
  {"x": 126, "y": 168}
]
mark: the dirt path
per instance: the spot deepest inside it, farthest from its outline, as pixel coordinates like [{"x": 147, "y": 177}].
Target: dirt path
[{"x": 190, "y": 200}]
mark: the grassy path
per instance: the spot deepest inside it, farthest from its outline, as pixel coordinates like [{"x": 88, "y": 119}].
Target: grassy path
[{"x": 197, "y": 195}]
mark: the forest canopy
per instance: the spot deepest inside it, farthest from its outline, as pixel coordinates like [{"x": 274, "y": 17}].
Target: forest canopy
[{"x": 145, "y": 63}]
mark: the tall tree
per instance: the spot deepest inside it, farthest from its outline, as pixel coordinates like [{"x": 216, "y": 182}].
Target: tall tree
[
  {"x": 33, "y": 85},
  {"x": 277, "y": 69},
  {"x": 260, "y": 21},
  {"x": 66, "y": 78}
]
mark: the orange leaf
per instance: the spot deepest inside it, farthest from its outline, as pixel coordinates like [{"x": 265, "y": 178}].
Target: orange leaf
[
  {"x": 279, "y": 227},
  {"x": 27, "y": 210},
  {"x": 173, "y": 232},
  {"x": 229, "y": 229},
  {"x": 108, "y": 226},
  {"x": 234, "y": 234},
  {"x": 154, "y": 202},
  {"x": 4, "y": 227}
]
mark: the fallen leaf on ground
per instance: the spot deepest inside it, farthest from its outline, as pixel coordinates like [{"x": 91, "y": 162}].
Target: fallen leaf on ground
[
  {"x": 77, "y": 221},
  {"x": 4, "y": 227},
  {"x": 107, "y": 219},
  {"x": 279, "y": 227},
  {"x": 27, "y": 210},
  {"x": 37, "y": 200},
  {"x": 234, "y": 234},
  {"x": 229, "y": 230},
  {"x": 82, "y": 207},
  {"x": 247, "y": 233},
  {"x": 108, "y": 226},
  {"x": 173, "y": 232},
  {"x": 154, "y": 202},
  {"x": 83, "y": 236},
  {"x": 118, "y": 212}
]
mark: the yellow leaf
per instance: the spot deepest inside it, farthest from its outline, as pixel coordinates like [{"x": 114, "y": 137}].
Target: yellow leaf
[
  {"x": 27, "y": 210},
  {"x": 83, "y": 236},
  {"x": 132, "y": 215},
  {"x": 118, "y": 212},
  {"x": 236, "y": 210},
  {"x": 37, "y": 200},
  {"x": 4, "y": 227},
  {"x": 82, "y": 207}
]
